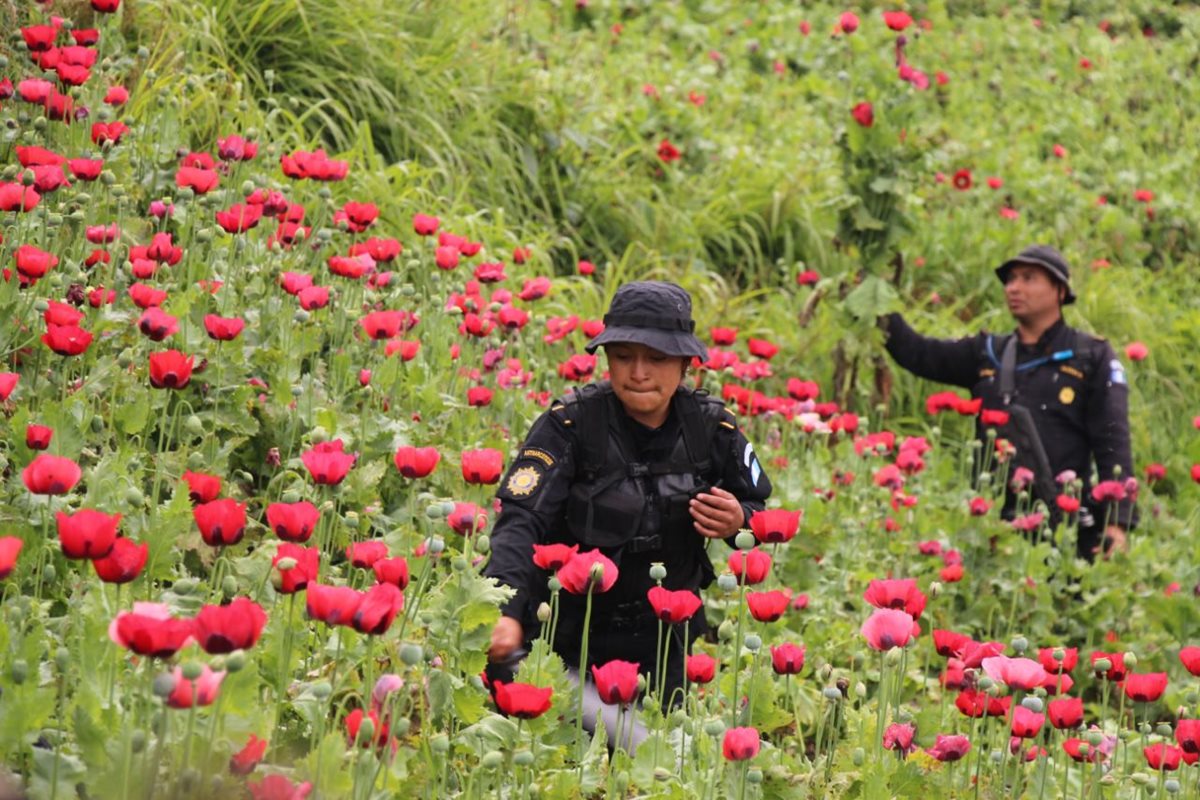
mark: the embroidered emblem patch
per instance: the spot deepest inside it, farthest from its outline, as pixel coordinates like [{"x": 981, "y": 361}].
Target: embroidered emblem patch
[
  {"x": 1066, "y": 396},
  {"x": 1117, "y": 374},
  {"x": 523, "y": 481},
  {"x": 540, "y": 455}
]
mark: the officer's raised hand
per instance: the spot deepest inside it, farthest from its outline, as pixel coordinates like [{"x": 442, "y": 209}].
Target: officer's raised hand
[
  {"x": 507, "y": 637},
  {"x": 717, "y": 513}
]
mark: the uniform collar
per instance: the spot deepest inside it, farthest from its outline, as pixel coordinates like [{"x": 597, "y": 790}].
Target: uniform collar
[{"x": 1045, "y": 344}]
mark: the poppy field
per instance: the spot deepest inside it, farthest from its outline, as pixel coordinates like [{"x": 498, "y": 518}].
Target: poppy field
[{"x": 285, "y": 284}]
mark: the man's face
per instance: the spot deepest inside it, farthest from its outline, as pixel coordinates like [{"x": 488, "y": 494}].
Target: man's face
[
  {"x": 1031, "y": 292},
  {"x": 644, "y": 380}
]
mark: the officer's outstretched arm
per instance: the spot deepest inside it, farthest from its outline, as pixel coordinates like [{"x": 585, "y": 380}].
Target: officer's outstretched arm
[{"x": 952, "y": 361}]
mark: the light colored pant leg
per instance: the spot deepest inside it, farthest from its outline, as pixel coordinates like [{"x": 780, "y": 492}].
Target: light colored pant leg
[{"x": 634, "y": 732}]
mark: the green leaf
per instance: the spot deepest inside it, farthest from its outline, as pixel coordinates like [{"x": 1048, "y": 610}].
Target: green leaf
[
  {"x": 131, "y": 417},
  {"x": 468, "y": 704},
  {"x": 873, "y": 298}
]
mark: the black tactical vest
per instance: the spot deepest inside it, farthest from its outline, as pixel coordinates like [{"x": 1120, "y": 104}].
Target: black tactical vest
[{"x": 618, "y": 501}]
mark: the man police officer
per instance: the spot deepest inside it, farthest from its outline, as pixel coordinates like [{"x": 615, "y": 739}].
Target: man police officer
[
  {"x": 1068, "y": 383},
  {"x": 639, "y": 466}
]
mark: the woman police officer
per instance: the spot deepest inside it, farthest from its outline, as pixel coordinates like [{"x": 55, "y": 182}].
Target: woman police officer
[{"x": 639, "y": 466}]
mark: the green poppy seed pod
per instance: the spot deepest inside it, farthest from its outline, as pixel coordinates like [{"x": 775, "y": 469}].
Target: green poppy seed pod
[
  {"x": 62, "y": 659},
  {"x": 40, "y": 123},
  {"x": 1034, "y": 704},
  {"x": 185, "y": 586},
  {"x": 1102, "y": 665},
  {"x": 985, "y": 683},
  {"x": 678, "y": 716},
  {"x": 726, "y": 631},
  {"x": 1164, "y": 730},
  {"x": 459, "y": 564},
  {"x": 137, "y": 741},
  {"x": 19, "y": 671},
  {"x": 3, "y": 62},
  {"x": 1094, "y": 738},
  {"x": 1171, "y": 785},
  {"x": 235, "y": 661},
  {"x": 229, "y": 586},
  {"x": 744, "y": 540},
  {"x": 366, "y": 731},
  {"x": 860, "y": 690},
  {"x": 554, "y": 584},
  {"x": 831, "y": 694},
  {"x": 350, "y": 520},
  {"x": 754, "y": 775},
  {"x": 322, "y": 690},
  {"x": 1192, "y": 697},
  {"x": 985, "y": 478},
  {"x": 523, "y": 758},
  {"x": 28, "y": 178},
  {"x": 1022, "y": 496},
  {"x": 662, "y": 774},
  {"x": 401, "y": 726},
  {"x": 412, "y": 264},
  {"x": 1131, "y": 660},
  {"x": 491, "y": 759},
  {"x": 285, "y": 564},
  {"x": 192, "y": 670},
  {"x": 144, "y": 52},
  {"x": 1059, "y": 654},
  {"x": 54, "y": 220},
  {"x": 543, "y": 612},
  {"x": 1040, "y": 691},
  {"x": 193, "y": 425},
  {"x": 434, "y": 511},
  {"x": 49, "y": 573},
  {"x": 996, "y": 756},
  {"x": 77, "y": 216},
  {"x": 714, "y": 728},
  {"x": 41, "y": 304},
  {"x": 596, "y": 573},
  {"x": 97, "y": 424},
  {"x": 621, "y": 783},
  {"x": 858, "y": 756},
  {"x": 408, "y": 290},
  {"x": 1144, "y": 728},
  {"x": 440, "y": 744},
  {"x": 483, "y": 543},
  {"x": 893, "y": 656},
  {"x": 1138, "y": 778},
  {"x": 657, "y": 571},
  {"x": 108, "y": 177},
  {"x": 1020, "y": 644},
  {"x": 642, "y": 682},
  {"x": 437, "y": 545},
  {"x": 411, "y": 654},
  {"x": 319, "y": 435},
  {"x": 164, "y": 684},
  {"x": 753, "y": 642},
  {"x": 727, "y": 582}
]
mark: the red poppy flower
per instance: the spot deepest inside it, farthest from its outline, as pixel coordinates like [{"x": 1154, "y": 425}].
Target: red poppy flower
[
  {"x": 8, "y": 382},
  {"x": 750, "y": 566},
  {"x": 897, "y": 20},
  {"x": 948, "y": 643},
  {"x": 201, "y": 181},
  {"x": 949, "y": 748},
  {"x": 1162, "y": 756},
  {"x": 553, "y": 557},
  {"x": 1065, "y": 713},
  {"x": 105, "y": 6},
  {"x": 902, "y": 594},
  {"x": 479, "y": 396},
  {"x": 761, "y": 348},
  {"x": 307, "y": 564},
  {"x": 776, "y": 525},
  {"x": 1051, "y": 664},
  {"x": 482, "y": 466},
  {"x": 887, "y": 628},
  {"x": 382, "y": 324},
  {"x": 974, "y": 703},
  {"x": 522, "y": 700},
  {"x": 333, "y": 605},
  {"x": 1116, "y": 670},
  {"x": 392, "y": 570},
  {"x": 673, "y": 606},
  {"x": 769, "y": 606},
  {"x": 327, "y": 463},
  {"x": 236, "y": 626},
  {"x": 378, "y": 607},
  {"x": 864, "y": 114},
  {"x": 278, "y": 787},
  {"x": 416, "y": 462},
  {"x": 37, "y": 437},
  {"x": 239, "y": 217},
  {"x": 701, "y": 668},
  {"x": 293, "y": 522},
  {"x": 1187, "y": 734},
  {"x": 379, "y": 731},
  {"x": 40, "y": 38},
  {"x": 10, "y": 548},
  {"x": 150, "y": 630},
  {"x": 1025, "y": 723},
  {"x": 588, "y": 571},
  {"x": 616, "y": 682},
  {"x": 245, "y": 760},
  {"x": 364, "y": 554},
  {"x": 221, "y": 522},
  {"x": 32, "y": 262},
  {"x": 1145, "y": 687},
  {"x": 123, "y": 563},
  {"x": 48, "y": 474},
  {"x": 668, "y": 152},
  {"x": 723, "y": 337},
  {"x": 235, "y": 148},
  {"x": 156, "y": 324},
  {"x": 87, "y": 533},
  {"x": 425, "y": 225},
  {"x": 962, "y": 180},
  {"x": 740, "y": 744},
  {"x": 1190, "y": 658},
  {"x": 199, "y": 692},
  {"x": 17, "y": 197},
  {"x": 223, "y": 329},
  {"x": 467, "y": 518},
  {"x": 170, "y": 369},
  {"x": 787, "y": 658},
  {"x": 380, "y": 250}
]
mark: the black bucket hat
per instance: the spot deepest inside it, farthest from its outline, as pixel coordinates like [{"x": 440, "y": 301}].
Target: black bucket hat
[
  {"x": 657, "y": 314},
  {"x": 1046, "y": 257}
]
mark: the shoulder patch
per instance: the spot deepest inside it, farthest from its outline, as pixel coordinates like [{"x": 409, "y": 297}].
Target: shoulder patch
[
  {"x": 523, "y": 481},
  {"x": 987, "y": 372},
  {"x": 1116, "y": 372},
  {"x": 537, "y": 454}
]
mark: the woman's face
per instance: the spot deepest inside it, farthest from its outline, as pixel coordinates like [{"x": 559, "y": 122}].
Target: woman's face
[{"x": 644, "y": 380}]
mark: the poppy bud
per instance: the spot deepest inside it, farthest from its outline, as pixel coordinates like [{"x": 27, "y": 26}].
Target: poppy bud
[
  {"x": 1034, "y": 704},
  {"x": 492, "y": 759},
  {"x": 744, "y": 540},
  {"x": 137, "y": 741},
  {"x": 1020, "y": 644},
  {"x": 727, "y": 582},
  {"x": 543, "y": 612},
  {"x": 1130, "y": 660},
  {"x": 164, "y": 684},
  {"x": 19, "y": 671},
  {"x": 831, "y": 693},
  {"x": 49, "y": 573},
  {"x": 725, "y": 631},
  {"x": 753, "y": 642},
  {"x": 657, "y": 571},
  {"x": 554, "y": 584}
]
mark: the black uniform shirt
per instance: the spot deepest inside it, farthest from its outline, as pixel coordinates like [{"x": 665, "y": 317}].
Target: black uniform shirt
[
  {"x": 549, "y": 458},
  {"x": 1071, "y": 382}
]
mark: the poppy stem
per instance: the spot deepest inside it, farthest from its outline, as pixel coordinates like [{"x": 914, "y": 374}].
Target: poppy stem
[
  {"x": 281, "y": 681},
  {"x": 583, "y": 657},
  {"x": 736, "y": 661}
]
